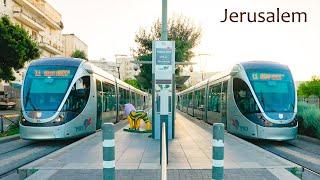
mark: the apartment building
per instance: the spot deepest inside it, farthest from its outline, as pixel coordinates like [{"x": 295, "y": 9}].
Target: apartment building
[
  {"x": 40, "y": 19},
  {"x": 122, "y": 67},
  {"x": 109, "y": 66},
  {"x": 127, "y": 69},
  {"x": 72, "y": 43}
]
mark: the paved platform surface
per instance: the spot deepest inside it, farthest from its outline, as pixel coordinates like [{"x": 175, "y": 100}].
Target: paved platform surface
[{"x": 137, "y": 157}]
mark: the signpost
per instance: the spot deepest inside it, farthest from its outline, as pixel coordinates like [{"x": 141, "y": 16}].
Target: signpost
[{"x": 163, "y": 71}]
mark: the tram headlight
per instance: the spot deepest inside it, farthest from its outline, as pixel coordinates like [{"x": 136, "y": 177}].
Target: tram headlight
[{"x": 59, "y": 119}]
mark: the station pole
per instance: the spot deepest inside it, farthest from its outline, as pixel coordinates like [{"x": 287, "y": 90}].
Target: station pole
[
  {"x": 164, "y": 33},
  {"x": 164, "y": 37}
]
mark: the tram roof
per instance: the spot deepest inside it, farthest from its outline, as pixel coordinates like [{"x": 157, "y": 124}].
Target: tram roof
[
  {"x": 107, "y": 75},
  {"x": 57, "y": 61},
  {"x": 210, "y": 79},
  {"x": 264, "y": 64}
]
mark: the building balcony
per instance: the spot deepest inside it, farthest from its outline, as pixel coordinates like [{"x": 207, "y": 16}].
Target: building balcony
[
  {"x": 50, "y": 48},
  {"x": 28, "y": 19},
  {"x": 40, "y": 11}
]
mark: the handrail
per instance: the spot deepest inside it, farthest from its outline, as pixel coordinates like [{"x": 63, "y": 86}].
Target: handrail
[
  {"x": 3, "y": 117},
  {"x": 163, "y": 152}
]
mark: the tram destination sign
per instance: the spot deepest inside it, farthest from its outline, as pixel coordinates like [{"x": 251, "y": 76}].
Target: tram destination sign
[
  {"x": 267, "y": 76},
  {"x": 52, "y": 73}
]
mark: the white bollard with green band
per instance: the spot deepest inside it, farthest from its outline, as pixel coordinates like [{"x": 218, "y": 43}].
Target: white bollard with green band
[
  {"x": 218, "y": 151},
  {"x": 108, "y": 152}
]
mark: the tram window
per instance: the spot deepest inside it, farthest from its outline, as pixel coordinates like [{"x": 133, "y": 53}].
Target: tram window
[
  {"x": 190, "y": 103},
  {"x": 122, "y": 94},
  {"x": 224, "y": 96},
  {"x": 186, "y": 101},
  {"x": 133, "y": 98},
  {"x": 199, "y": 101},
  {"x": 138, "y": 100},
  {"x": 243, "y": 97},
  {"x": 78, "y": 96},
  {"x": 196, "y": 101},
  {"x": 214, "y": 98},
  {"x": 127, "y": 96},
  {"x": 109, "y": 99},
  {"x": 202, "y": 97},
  {"x": 98, "y": 83}
]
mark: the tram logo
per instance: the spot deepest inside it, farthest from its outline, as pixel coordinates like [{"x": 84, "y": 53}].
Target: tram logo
[
  {"x": 281, "y": 116},
  {"x": 87, "y": 123},
  {"x": 235, "y": 123}
]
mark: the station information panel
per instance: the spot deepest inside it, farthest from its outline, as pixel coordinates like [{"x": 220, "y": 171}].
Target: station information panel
[{"x": 163, "y": 71}]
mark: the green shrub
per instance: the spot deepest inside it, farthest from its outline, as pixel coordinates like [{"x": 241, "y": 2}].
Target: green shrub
[
  {"x": 11, "y": 130},
  {"x": 309, "y": 119}
]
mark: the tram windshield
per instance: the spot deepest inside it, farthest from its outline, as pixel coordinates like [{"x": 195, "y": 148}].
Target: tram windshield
[
  {"x": 45, "y": 87},
  {"x": 274, "y": 88}
]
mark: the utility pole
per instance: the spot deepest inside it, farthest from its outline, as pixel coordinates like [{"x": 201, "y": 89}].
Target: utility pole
[
  {"x": 164, "y": 33},
  {"x": 118, "y": 67}
]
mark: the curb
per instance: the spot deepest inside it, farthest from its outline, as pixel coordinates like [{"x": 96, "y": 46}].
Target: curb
[
  {"x": 9, "y": 138},
  {"x": 309, "y": 139}
]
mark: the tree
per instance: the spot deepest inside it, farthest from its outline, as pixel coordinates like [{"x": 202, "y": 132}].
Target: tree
[
  {"x": 16, "y": 48},
  {"x": 133, "y": 82},
  {"x": 309, "y": 88},
  {"x": 79, "y": 54},
  {"x": 181, "y": 30}
]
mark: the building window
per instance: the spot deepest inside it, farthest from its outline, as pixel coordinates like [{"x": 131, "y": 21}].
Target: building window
[{"x": 5, "y": 3}]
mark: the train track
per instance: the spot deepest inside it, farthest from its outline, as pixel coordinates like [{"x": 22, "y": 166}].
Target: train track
[
  {"x": 303, "y": 151},
  {"x": 16, "y": 153}
]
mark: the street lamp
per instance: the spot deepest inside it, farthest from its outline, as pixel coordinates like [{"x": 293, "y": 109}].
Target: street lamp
[
  {"x": 118, "y": 67},
  {"x": 118, "y": 64},
  {"x": 201, "y": 64}
]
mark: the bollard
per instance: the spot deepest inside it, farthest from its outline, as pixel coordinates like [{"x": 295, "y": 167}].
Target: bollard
[
  {"x": 108, "y": 152},
  {"x": 218, "y": 151}
]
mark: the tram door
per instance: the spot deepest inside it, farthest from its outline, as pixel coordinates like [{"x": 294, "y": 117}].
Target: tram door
[
  {"x": 224, "y": 103},
  {"x": 99, "y": 104}
]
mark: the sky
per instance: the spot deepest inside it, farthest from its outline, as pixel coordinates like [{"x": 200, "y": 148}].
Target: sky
[{"x": 109, "y": 27}]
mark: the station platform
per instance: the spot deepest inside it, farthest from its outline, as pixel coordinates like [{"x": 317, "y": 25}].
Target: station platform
[{"x": 137, "y": 157}]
